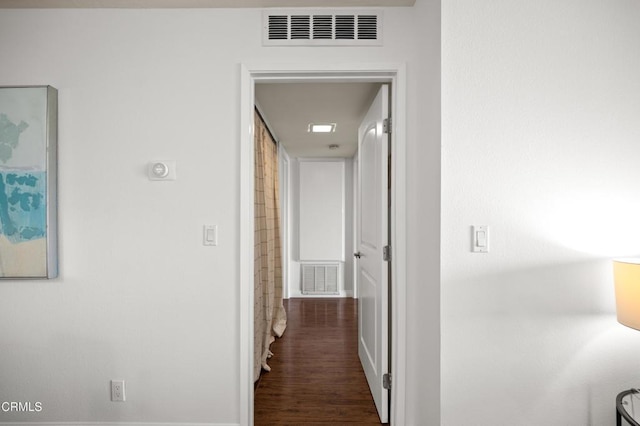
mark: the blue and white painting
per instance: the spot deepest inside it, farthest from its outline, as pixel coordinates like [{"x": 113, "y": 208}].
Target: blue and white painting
[{"x": 23, "y": 182}]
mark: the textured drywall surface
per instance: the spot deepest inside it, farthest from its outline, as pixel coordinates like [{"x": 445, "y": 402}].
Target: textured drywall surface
[
  {"x": 541, "y": 143},
  {"x": 139, "y": 297}
]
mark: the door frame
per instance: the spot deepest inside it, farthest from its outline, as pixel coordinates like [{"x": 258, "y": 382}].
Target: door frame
[
  {"x": 393, "y": 73},
  {"x": 285, "y": 188}
]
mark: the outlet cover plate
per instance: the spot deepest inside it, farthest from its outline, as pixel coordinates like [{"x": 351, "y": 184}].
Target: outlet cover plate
[{"x": 117, "y": 390}]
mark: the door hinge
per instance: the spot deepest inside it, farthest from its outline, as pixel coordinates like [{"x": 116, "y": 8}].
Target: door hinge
[
  {"x": 386, "y": 253},
  {"x": 386, "y": 381},
  {"x": 386, "y": 125}
]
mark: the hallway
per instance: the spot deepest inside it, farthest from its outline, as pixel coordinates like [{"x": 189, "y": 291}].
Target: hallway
[{"x": 316, "y": 376}]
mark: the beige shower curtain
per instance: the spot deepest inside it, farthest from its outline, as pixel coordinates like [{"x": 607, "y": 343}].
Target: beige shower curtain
[{"x": 270, "y": 318}]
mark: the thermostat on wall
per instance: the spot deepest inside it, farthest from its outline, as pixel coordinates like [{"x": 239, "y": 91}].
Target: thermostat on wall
[{"x": 161, "y": 170}]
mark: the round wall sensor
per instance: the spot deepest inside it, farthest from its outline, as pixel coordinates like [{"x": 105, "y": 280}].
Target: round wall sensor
[{"x": 160, "y": 170}]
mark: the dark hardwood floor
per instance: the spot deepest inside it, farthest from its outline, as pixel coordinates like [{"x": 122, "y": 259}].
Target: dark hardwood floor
[{"x": 316, "y": 377}]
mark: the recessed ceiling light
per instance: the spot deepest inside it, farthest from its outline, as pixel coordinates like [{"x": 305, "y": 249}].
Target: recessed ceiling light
[{"x": 322, "y": 127}]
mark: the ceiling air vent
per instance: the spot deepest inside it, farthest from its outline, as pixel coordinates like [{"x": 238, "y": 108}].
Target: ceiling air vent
[{"x": 301, "y": 27}]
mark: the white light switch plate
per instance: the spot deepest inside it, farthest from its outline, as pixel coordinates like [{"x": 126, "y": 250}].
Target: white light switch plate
[
  {"x": 480, "y": 240},
  {"x": 210, "y": 235}
]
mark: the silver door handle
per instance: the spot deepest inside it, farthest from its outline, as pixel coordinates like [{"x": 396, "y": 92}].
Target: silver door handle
[{"x": 357, "y": 255}]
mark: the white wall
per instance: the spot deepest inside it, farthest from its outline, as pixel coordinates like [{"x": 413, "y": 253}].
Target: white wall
[
  {"x": 322, "y": 188},
  {"x": 348, "y": 226},
  {"x": 284, "y": 171},
  {"x": 139, "y": 297},
  {"x": 423, "y": 214},
  {"x": 321, "y": 203},
  {"x": 541, "y": 135},
  {"x": 294, "y": 280}
]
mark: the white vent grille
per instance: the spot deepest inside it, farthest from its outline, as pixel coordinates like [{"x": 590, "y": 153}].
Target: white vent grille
[
  {"x": 278, "y": 27},
  {"x": 320, "y": 279},
  {"x": 307, "y": 28}
]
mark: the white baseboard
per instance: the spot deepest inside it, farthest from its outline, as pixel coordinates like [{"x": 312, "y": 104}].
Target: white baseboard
[{"x": 300, "y": 295}]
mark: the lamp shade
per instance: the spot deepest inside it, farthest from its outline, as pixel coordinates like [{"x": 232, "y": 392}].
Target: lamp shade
[{"x": 626, "y": 273}]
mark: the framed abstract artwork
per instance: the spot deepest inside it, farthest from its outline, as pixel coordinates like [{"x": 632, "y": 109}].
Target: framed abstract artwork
[{"x": 28, "y": 182}]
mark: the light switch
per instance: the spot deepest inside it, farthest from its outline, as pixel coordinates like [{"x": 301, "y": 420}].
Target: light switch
[
  {"x": 210, "y": 235},
  {"x": 480, "y": 239}
]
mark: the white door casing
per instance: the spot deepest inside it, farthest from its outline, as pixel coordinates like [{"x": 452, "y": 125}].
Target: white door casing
[{"x": 373, "y": 236}]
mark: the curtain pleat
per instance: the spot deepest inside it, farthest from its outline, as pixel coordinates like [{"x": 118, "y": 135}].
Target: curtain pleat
[{"x": 270, "y": 319}]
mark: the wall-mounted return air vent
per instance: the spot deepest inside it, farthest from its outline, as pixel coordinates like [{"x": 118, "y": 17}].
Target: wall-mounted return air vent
[
  {"x": 302, "y": 27},
  {"x": 320, "y": 278}
]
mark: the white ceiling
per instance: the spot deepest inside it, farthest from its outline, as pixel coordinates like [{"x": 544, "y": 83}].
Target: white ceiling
[
  {"x": 289, "y": 108},
  {"x": 151, "y": 4}
]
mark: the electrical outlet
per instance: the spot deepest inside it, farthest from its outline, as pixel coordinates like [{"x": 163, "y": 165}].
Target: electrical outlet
[{"x": 117, "y": 390}]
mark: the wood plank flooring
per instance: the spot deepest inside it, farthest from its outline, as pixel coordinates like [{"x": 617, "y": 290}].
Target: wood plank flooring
[{"x": 316, "y": 377}]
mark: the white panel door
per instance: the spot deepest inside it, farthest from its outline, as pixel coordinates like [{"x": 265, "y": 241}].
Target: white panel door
[{"x": 372, "y": 236}]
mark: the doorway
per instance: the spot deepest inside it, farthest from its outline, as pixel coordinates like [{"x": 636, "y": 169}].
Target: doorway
[
  {"x": 318, "y": 175},
  {"x": 395, "y": 75},
  {"x": 316, "y": 370}
]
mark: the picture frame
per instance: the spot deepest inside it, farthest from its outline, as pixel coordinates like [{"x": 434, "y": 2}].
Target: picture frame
[{"x": 28, "y": 182}]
